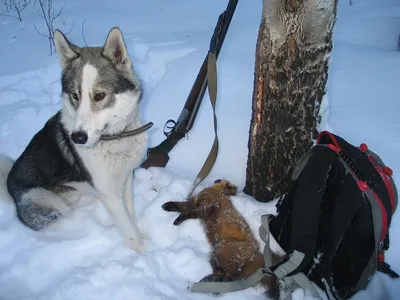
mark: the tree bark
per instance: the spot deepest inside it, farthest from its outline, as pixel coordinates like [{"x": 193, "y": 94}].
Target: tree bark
[{"x": 293, "y": 48}]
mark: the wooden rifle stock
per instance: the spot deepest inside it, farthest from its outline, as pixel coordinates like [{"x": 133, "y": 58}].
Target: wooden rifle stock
[{"x": 158, "y": 156}]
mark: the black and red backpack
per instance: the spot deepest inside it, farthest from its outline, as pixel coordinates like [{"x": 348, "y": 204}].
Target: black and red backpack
[
  {"x": 332, "y": 224},
  {"x": 337, "y": 214}
]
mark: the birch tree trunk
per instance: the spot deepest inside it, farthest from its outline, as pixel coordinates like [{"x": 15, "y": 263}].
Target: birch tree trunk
[{"x": 291, "y": 71}]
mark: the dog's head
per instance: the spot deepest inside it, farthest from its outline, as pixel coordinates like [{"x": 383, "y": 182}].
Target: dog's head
[
  {"x": 99, "y": 88},
  {"x": 225, "y": 186}
]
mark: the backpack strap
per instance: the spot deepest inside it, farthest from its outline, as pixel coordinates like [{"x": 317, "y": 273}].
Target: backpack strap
[
  {"x": 386, "y": 174},
  {"x": 345, "y": 212},
  {"x": 305, "y": 217},
  {"x": 301, "y": 164},
  {"x": 288, "y": 265},
  {"x": 228, "y": 286},
  {"x": 377, "y": 259},
  {"x": 379, "y": 217}
]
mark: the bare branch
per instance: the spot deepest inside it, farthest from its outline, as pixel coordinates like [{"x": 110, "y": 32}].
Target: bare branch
[
  {"x": 83, "y": 35},
  {"x": 73, "y": 24},
  {"x": 7, "y": 4},
  {"x": 37, "y": 30},
  {"x": 16, "y": 5},
  {"x": 59, "y": 13},
  {"x": 11, "y": 16},
  {"x": 49, "y": 15},
  {"x": 25, "y": 5}
]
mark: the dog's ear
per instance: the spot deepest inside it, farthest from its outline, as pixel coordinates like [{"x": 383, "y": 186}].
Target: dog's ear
[
  {"x": 115, "y": 49},
  {"x": 66, "y": 50}
]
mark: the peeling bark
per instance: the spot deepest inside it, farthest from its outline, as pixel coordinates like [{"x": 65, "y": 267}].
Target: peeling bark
[{"x": 291, "y": 70}]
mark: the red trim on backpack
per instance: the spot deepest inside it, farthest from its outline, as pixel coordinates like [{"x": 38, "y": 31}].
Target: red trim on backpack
[
  {"x": 363, "y": 187},
  {"x": 384, "y": 217},
  {"x": 334, "y": 148},
  {"x": 386, "y": 181},
  {"x": 330, "y": 135},
  {"x": 381, "y": 257}
]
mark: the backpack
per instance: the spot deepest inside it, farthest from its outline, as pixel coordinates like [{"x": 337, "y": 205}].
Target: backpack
[
  {"x": 337, "y": 215},
  {"x": 333, "y": 223}
]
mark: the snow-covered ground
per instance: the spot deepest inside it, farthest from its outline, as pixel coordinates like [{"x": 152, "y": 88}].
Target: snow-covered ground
[{"x": 83, "y": 256}]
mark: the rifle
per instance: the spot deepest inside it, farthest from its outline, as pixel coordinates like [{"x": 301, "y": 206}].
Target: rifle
[{"x": 158, "y": 156}]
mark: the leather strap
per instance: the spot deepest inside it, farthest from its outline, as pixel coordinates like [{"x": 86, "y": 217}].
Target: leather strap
[{"x": 212, "y": 92}]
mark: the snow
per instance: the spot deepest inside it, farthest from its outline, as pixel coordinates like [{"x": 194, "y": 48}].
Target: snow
[{"x": 83, "y": 256}]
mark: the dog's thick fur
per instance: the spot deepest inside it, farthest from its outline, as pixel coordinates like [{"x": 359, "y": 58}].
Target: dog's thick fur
[
  {"x": 100, "y": 95},
  {"x": 235, "y": 251}
]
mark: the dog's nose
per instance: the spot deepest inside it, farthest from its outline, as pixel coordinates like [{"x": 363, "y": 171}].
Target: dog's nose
[{"x": 79, "y": 137}]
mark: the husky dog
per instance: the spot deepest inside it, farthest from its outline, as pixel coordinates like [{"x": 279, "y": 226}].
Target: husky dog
[{"x": 100, "y": 96}]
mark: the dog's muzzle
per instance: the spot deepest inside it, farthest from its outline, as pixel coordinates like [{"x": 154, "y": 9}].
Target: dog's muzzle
[{"x": 79, "y": 137}]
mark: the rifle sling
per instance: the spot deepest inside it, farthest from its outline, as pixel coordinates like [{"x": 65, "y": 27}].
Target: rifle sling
[
  {"x": 215, "y": 46},
  {"x": 212, "y": 92}
]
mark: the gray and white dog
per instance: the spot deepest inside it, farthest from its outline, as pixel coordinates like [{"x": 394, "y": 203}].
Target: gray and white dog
[{"x": 100, "y": 96}]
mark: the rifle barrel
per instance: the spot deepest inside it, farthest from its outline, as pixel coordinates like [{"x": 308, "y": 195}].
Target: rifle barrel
[
  {"x": 226, "y": 17},
  {"x": 216, "y": 42},
  {"x": 199, "y": 96},
  {"x": 158, "y": 156},
  {"x": 193, "y": 100}
]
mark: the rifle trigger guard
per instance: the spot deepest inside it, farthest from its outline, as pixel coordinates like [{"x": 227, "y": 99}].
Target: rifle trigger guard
[{"x": 168, "y": 127}]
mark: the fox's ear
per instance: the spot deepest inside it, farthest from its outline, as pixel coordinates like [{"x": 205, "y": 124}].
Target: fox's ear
[
  {"x": 66, "y": 50},
  {"x": 230, "y": 189},
  {"x": 230, "y": 185},
  {"x": 115, "y": 49}
]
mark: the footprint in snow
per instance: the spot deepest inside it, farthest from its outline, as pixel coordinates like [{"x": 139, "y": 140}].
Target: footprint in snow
[
  {"x": 13, "y": 39},
  {"x": 152, "y": 60}
]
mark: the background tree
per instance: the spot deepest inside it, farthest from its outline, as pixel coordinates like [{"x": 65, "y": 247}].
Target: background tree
[{"x": 291, "y": 71}]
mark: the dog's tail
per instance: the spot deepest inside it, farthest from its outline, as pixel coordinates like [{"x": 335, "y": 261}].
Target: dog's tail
[{"x": 6, "y": 164}]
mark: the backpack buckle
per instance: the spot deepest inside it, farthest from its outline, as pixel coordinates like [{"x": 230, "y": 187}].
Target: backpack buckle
[
  {"x": 388, "y": 171},
  {"x": 386, "y": 269},
  {"x": 363, "y": 147},
  {"x": 381, "y": 247}
]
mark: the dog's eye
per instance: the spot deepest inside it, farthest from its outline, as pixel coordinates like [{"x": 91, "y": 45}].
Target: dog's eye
[
  {"x": 99, "y": 96},
  {"x": 75, "y": 96}
]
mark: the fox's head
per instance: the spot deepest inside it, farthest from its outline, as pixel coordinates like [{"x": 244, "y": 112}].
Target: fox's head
[
  {"x": 213, "y": 199},
  {"x": 100, "y": 92},
  {"x": 225, "y": 186}
]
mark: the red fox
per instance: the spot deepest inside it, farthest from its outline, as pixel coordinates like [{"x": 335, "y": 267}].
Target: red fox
[{"x": 235, "y": 251}]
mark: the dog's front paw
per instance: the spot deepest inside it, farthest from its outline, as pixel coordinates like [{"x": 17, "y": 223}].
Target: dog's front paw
[
  {"x": 140, "y": 249},
  {"x": 137, "y": 245},
  {"x": 170, "y": 206}
]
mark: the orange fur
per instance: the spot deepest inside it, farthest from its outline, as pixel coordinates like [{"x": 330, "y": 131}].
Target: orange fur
[{"x": 228, "y": 231}]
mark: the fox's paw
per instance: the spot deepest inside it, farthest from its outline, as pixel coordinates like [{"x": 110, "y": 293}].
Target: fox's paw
[{"x": 171, "y": 206}]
